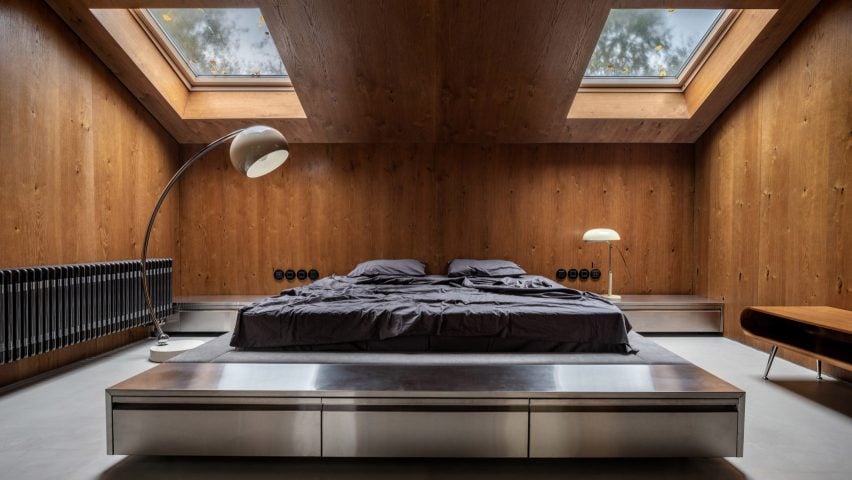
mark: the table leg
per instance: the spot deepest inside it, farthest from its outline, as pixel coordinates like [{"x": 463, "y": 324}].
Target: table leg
[
  {"x": 819, "y": 369},
  {"x": 769, "y": 363}
]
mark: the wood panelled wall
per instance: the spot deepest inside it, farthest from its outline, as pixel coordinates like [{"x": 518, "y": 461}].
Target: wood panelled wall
[
  {"x": 82, "y": 160},
  {"x": 333, "y": 205},
  {"x": 774, "y": 180}
]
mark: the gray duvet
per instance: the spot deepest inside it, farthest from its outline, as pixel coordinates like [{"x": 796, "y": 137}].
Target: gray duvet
[{"x": 434, "y": 313}]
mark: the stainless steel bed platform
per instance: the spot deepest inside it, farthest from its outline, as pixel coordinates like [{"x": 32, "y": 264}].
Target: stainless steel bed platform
[{"x": 374, "y": 410}]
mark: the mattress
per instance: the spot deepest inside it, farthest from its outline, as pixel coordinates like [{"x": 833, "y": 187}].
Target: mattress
[
  {"x": 218, "y": 350},
  {"x": 434, "y": 313}
]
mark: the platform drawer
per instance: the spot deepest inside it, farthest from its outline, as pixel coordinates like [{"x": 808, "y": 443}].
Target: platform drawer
[
  {"x": 633, "y": 428},
  {"x": 425, "y": 428},
  {"x": 208, "y": 320},
  {"x": 675, "y": 321},
  {"x": 215, "y": 426}
]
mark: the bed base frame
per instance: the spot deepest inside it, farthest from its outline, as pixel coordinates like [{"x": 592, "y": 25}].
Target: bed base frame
[{"x": 336, "y": 410}]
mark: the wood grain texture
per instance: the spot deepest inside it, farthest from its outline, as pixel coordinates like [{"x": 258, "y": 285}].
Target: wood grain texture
[
  {"x": 118, "y": 40},
  {"x": 83, "y": 161},
  {"x": 459, "y": 71},
  {"x": 629, "y": 105},
  {"x": 749, "y": 44},
  {"x": 773, "y": 176},
  {"x": 827, "y": 317},
  {"x": 332, "y": 206},
  {"x": 816, "y": 332},
  {"x": 364, "y": 71},
  {"x": 509, "y": 72}
]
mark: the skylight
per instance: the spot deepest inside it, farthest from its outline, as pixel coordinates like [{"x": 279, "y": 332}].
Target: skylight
[
  {"x": 653, "y": 46},
  {"x": 216, "y": 46}
]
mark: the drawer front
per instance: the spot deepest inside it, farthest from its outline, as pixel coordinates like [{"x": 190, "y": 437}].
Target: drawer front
[
  {"x": 216, "y": 429},
  {"x": 675, "y": 321},
  {"x": 208, "y": 320},
  {"x": 422, "y": 428},
  {"x": 633, "y": 431}
]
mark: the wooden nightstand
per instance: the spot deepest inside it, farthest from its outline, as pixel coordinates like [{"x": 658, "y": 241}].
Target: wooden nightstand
[{"x": 673, "y": 313}]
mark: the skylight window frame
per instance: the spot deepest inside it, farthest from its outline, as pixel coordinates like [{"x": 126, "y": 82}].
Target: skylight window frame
[
  {"x": 667, "y": 84},
  {"x": 195, "y": 82}
]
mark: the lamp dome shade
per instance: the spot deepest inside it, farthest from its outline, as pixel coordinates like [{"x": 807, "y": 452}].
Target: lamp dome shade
[
  {"x": 601, "y": 235},
  {"x": 258, "y": 150}
]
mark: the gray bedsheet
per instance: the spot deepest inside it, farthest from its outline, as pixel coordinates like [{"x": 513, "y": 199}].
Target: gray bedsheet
[
  {"x": 528, "y": 313},
  {"x": 219, "y": 351}
]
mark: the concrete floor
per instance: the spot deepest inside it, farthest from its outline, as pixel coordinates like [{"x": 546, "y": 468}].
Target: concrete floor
[{"x": 796, "y": 428}]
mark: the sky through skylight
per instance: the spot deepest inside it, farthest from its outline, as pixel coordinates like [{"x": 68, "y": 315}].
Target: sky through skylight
[
  {"x": 650, "y": 42},
  {"x": 221, "y": 41}
]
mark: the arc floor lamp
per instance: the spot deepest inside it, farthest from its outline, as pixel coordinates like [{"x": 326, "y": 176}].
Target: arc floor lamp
[
  {"x": 255, "y": 151},
  {"x": 607, "y": 235}
]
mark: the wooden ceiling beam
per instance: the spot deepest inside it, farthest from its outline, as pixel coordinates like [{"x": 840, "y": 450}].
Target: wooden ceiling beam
[
  {"x": 364, "y": 71},
  {"x": 509, "y": 71}
]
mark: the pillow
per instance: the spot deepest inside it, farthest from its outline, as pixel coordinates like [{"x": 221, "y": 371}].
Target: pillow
[
  {"x": 401, "y": 268},
  {"x": 461, "y": 267}
]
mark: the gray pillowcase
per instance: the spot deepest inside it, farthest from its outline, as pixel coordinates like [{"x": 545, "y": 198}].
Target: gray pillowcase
[
  {"x": 462, "y": 267},
  {"x": 400, "y": 268}
]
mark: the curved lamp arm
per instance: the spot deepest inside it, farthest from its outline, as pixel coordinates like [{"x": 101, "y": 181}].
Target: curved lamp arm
[{"x": 162, "y": 337}]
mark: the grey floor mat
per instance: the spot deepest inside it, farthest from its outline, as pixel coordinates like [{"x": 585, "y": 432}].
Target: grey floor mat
[{"x": 218, "y": 350}]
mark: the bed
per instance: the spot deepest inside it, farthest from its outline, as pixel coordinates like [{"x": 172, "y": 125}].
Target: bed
[
  {"x": 402, "y": 365},
  {"x": 434, "y": 313}
]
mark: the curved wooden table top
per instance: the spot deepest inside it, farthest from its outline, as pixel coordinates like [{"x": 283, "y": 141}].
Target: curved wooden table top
[
  {"x": 826, "y": 317},
  {"x": 829, "y": 318}
]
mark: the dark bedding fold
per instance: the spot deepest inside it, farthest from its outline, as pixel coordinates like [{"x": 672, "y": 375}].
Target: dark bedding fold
[{"x": 518, "y": 310}]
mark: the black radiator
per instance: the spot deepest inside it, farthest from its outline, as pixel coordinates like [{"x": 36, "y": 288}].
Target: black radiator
[{"x": 46, "y": 308}]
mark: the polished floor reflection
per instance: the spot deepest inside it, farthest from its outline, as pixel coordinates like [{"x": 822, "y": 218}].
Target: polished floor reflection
[
  {"x": 796, "y": 429},
  {"x": 381, "y": 469}
]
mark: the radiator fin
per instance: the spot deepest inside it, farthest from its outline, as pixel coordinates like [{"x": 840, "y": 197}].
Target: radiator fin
[{"x": 47, "y": 308}]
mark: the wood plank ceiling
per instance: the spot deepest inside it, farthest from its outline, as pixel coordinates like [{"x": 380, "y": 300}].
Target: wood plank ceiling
[{"x": 499, "y": 71}]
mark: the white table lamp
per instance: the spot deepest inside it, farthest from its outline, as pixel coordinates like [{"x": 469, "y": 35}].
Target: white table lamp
[{"x": 607, "y": 235}]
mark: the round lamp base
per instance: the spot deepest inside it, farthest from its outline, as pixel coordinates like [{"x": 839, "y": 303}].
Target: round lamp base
[
  {"x": 162, "y": 353},
  {"x": 612, "y": 298}
]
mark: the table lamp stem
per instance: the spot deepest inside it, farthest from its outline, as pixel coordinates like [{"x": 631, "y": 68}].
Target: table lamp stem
[{"x": 609, "y": 281}]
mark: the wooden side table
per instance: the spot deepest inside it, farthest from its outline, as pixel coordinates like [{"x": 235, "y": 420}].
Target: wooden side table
[{"x": 824, "y": 333}]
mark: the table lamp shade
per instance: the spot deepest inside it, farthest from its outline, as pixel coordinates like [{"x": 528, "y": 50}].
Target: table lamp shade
[
  {"x": 601, "y": 235},
  {"x": 258, "y": 150}
]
